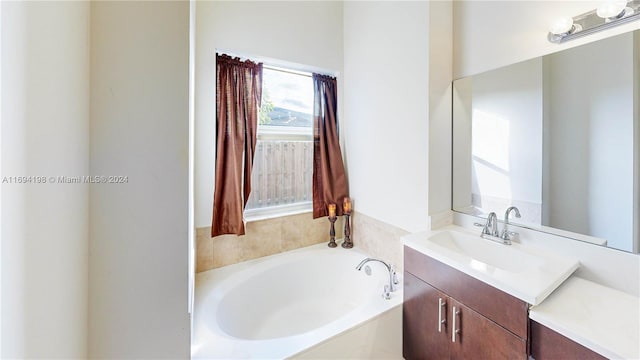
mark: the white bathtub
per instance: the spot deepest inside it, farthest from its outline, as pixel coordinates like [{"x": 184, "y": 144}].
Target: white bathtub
[{"x": 287, "y": 304}]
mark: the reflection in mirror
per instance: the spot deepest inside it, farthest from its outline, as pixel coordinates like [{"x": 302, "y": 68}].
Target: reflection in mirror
[{"x": 558, "y": 137}]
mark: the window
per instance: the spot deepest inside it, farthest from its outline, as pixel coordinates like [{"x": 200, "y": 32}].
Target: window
[{"x": 283, "y": 163}]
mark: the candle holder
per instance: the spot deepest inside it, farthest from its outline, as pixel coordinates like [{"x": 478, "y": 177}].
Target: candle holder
[
  {"x": 332, "y": 232},
  {"x": 347, "y": 243}
]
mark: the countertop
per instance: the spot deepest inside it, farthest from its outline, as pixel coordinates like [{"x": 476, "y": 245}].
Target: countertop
[
  {"x": 602, "y": 319},
  {"x": 526, "y": 272}
]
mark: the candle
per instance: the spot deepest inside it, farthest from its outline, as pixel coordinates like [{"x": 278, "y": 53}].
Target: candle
[
  {"x": 332, "y": 210},
  {"x": 346, "y": 205}
]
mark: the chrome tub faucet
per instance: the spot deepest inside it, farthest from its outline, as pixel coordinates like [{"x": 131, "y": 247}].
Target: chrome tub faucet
[{"x": 393, "y": 276}]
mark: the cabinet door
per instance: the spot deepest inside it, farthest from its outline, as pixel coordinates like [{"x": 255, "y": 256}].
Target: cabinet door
[
  {"x": 547, "y": 344},
  {"x": 421, "y": 313},
  {"x": 477, "y": 337}
]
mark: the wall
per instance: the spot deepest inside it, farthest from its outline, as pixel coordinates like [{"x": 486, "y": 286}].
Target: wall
[
  {"x": 387, "y": 128},
  {"x": 45, "y": 128},
  {"x": 440, "y": 105},
  {"x": 590, "y": 143},
  {"x": 492, "y": 34},
  {"x": 636, "y": 142},
  {"x": 138, "y": 292},
  {"x": 296, "y": 34},
  {"x": 1, "y": 172}
]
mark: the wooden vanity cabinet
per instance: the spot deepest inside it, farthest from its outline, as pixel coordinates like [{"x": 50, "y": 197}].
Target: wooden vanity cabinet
[
  {"x": 432, "y": 290},
  {"x": 420, "y": 317},
  {"x": 547, "y": 344}
]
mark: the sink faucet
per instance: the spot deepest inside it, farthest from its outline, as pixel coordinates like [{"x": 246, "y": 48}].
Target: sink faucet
[
  {"x": 491, "y": 227},
  {"x": 506, "y": 234},
  {"x": 393, "y": 277}
]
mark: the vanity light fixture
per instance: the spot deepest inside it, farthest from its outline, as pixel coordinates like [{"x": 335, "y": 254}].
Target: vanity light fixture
[{"x": 609, "y": 14}]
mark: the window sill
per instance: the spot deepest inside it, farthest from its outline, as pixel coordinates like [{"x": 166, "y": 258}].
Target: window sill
[{"x": 273, "y": 212}]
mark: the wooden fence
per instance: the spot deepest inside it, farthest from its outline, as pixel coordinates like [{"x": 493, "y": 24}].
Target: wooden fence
[{"x": 282, "y": 173}]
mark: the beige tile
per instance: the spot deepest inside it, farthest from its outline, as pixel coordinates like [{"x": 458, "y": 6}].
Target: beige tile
[
  {"x": 204, "y": 250},
  {"x": 226, "y": 250},
  {"x": 292, "y": 230},
  {"x": 378, "y": 239},
  {"x": 318, "y": 231},
  {"x": 263, "y": 238}
]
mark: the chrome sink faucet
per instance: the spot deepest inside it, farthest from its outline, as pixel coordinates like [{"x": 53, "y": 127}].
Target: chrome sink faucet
[
  {"x": 490, "y": 228},
  {"x": 506, "y": 234},
  {"x": 393, "y": 277}
]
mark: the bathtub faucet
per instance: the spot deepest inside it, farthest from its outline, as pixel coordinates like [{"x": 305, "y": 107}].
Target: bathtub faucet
[{"x": 393, "y": 277}]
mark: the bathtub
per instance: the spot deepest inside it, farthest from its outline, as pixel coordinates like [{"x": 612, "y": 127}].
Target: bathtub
[{"x": 305, "y": 303}]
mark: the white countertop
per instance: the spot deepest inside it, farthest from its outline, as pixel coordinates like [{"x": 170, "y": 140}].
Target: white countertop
[
  {"x": 526, "y": 272},
  {"x": 602, "y": 319}
]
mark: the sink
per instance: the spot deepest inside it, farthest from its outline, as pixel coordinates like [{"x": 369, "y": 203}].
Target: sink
[
  {"x": 526, "y": 272},
  {"x": 487, "y": 254}
]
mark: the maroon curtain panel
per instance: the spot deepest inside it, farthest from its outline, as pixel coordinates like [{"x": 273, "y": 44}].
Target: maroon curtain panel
[
  {"x": 238, "y": 96},
  {"x": 329, "y": 179}
]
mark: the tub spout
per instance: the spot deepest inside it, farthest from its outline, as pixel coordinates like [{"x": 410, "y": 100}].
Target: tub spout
[{"x": 393, "y": 276}]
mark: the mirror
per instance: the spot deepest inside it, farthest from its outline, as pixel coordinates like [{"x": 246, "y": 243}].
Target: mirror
[{"x": 559, "y": 138}]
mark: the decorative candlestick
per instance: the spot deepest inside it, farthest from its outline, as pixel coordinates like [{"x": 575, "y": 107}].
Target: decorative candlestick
[
  {"x": 346, "y": 208},
  {"x": 332, "y": 230}
]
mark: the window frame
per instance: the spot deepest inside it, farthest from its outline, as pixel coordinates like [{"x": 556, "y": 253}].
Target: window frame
[{"x": 276, "y": 132}]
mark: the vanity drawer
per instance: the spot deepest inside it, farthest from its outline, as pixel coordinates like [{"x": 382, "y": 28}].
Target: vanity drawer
[
  {"x": 547, "y": 344},
  {"x": 498, "y": 306}
]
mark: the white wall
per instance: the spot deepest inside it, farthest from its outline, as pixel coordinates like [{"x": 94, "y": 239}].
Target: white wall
[
  {"x": 440, "y": 76},
  {"x": 301, "y": 34},
  {"x": 591, "y": 170},
  {"x": 1, "y": 172},
  {"x": 492, "y": 34},
  {"x": 636, "y": 142},
  {"x": 386, "y": 67},
  {"x": 45, "y": 128},
  {"x": 138, "y": 293}
]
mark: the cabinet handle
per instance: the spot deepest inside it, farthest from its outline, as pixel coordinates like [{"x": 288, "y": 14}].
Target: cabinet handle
[
  {"x": 441, "y": 321},
  {"x": 454, "y": 331}
]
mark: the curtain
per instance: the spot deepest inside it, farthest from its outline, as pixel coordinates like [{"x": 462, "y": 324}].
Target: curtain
[
  {"x": 238, "y": 96},
  {"x": 329, "y": 179}
]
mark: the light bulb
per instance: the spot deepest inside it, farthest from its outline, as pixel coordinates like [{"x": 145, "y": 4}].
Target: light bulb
[
  {"x": 561, "y": 26},
  {"x": 611, "y": 9}
]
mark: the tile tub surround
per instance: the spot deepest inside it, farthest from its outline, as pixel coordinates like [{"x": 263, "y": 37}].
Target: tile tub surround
[
  {"x": 262, "y": 238},
  {"x": 378, "y": 239}
]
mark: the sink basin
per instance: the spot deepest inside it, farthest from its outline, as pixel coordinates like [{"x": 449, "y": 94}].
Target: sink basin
[
  {"x": 488, "y": 255},
  {"x": 526, "y": 272}
]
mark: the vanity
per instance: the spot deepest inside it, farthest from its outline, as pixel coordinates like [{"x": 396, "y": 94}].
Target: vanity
[
  {"x": 450, "y": 315},
  {"x": 470, "y": 298},
  {"x": 467, "y": 297}
]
